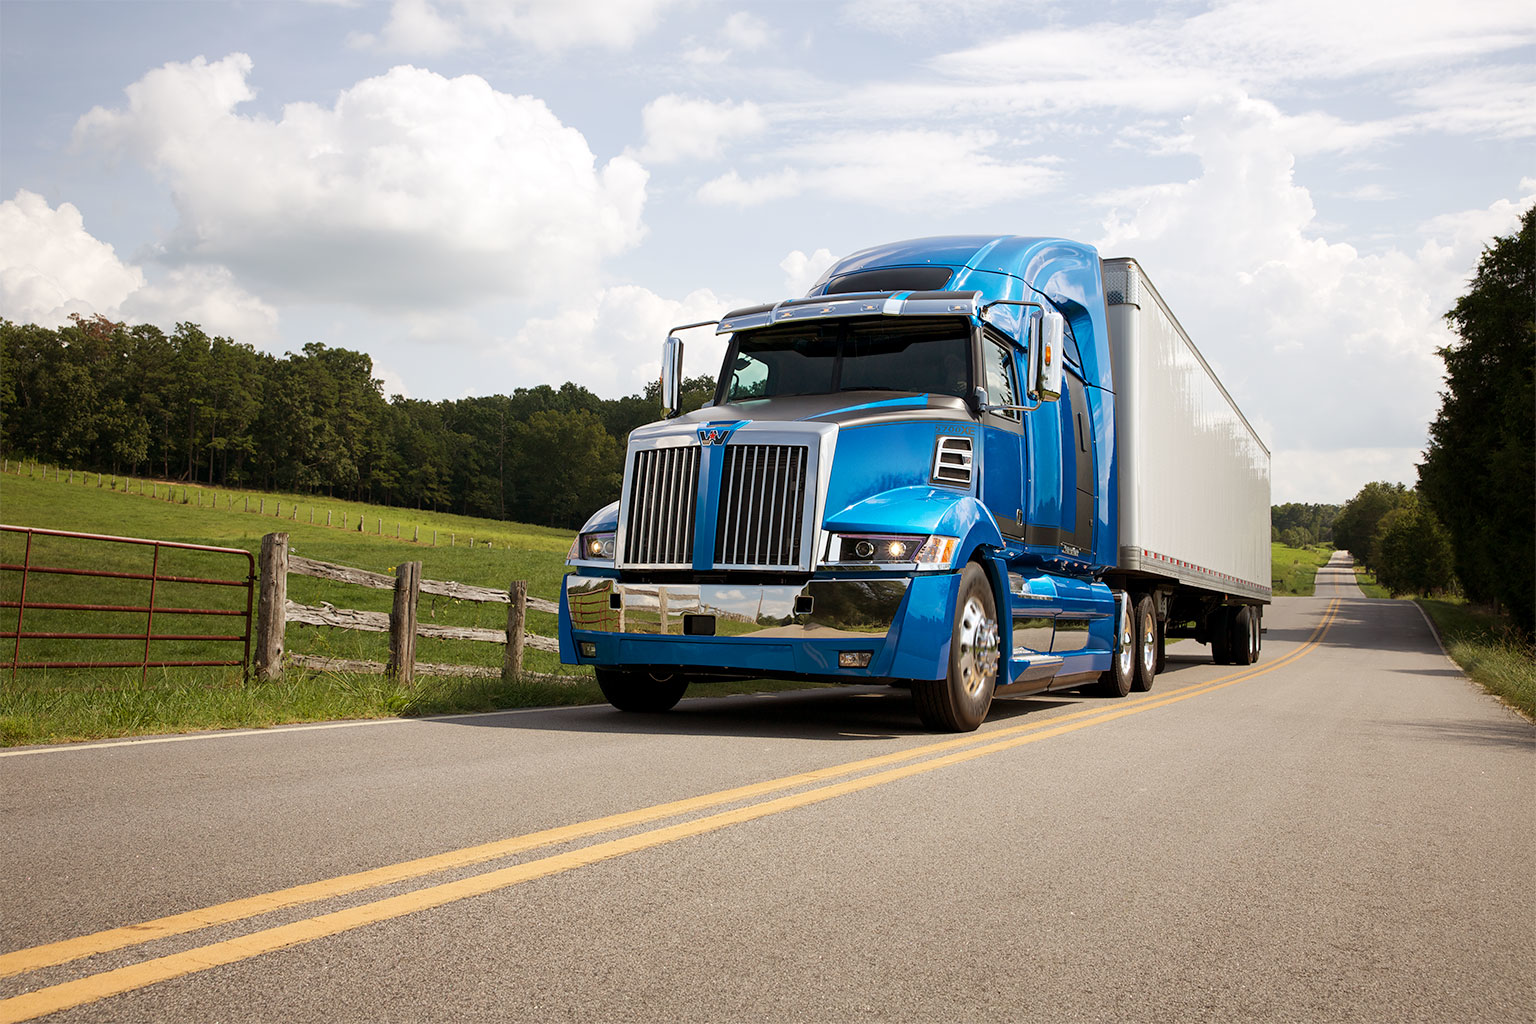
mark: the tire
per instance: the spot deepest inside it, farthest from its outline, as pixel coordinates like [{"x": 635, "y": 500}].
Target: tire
[
  {"x": 1219, "y": 628},
  {"x": 959, "y": 702},
  {"x": 1122, "y": 665},
  {"x": 642, "y": 692},
  {"x": 1149, "y": 644},
  {"x": 1256, "y": 631},
  {"x": 1240, "y": 636}
]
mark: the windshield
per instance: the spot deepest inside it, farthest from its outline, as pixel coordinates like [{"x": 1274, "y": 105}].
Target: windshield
[{"x": 864, "y": 355}]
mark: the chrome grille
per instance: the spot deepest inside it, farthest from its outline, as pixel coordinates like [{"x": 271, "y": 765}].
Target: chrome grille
[
  {"x": 663, "y": 491},
  {"x": 762, "y": 506}
]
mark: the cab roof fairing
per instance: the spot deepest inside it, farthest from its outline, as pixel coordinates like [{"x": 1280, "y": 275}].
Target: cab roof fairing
[{"x": 1017, "y": 267}]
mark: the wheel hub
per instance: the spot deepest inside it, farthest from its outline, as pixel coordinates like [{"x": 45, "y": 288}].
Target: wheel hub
[{"x": 979, "y": 647}]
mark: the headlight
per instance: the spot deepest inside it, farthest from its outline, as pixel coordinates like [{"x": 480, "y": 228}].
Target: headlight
[
  {"x": 592, "y": 547},
  {"x": 935, "y": 552}
]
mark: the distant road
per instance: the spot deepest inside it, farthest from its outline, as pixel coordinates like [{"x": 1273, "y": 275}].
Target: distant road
[{"x": 1344, "y": 832}]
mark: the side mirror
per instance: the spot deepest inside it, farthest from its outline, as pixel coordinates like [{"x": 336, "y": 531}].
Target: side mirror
[
  {"x": 1046, "y": 357},
  {"x": 671, "y": 375}
]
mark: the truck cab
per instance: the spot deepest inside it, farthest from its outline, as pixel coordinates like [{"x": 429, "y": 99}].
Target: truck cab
[{"x": 907, "y": 476}]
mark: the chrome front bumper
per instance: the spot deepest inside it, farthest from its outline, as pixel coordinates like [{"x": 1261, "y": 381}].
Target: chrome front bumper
[{"x": 820, "y": 609}]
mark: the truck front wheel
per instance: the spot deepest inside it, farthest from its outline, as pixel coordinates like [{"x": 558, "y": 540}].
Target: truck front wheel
[
  {"x": 959, "y": 702},
  {"x": 629, "y": 690},
  {"x": 1122, "y": 663}
]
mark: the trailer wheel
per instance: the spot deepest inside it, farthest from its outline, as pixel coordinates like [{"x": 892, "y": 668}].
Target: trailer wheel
[
  {"x": 959, "y": 702},
  {"x": 1219, "y": 626},
  {"x": 629, "y": 690},
  {"x": 1122, "y": 664},
  {"x": 1148, "y": 644},
  {"x": 1240, "y": 636},
  {"x": 1256, "y": 615}
]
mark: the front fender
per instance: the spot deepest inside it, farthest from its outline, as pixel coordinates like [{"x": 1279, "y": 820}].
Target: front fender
[{"x": 923, "y": 510}]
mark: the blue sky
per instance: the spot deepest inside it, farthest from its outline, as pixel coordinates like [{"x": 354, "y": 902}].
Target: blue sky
[{"x": 492, "y": 195}]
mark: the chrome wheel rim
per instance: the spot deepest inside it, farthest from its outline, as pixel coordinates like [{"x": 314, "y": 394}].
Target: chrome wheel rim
[
  {"x": 1127, "y": 647},
  {"x": 978, "y": 647},
  {"x": 1148, "y": 646}
]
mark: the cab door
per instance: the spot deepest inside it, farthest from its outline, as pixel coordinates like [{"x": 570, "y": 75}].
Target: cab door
[{"x": 1002, "y": 437}]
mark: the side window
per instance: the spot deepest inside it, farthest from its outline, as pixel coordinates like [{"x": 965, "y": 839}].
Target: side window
[{"x": 1001, "y": 383}]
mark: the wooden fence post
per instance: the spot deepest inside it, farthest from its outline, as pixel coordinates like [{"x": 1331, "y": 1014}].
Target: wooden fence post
[
  {"x": 271, "y": 606},
  {"x": 402, "y": 623},
  {"x": 512, "y": 658}
]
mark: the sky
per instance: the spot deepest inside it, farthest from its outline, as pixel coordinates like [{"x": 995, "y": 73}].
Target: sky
[{"x": 490, "y": 195}]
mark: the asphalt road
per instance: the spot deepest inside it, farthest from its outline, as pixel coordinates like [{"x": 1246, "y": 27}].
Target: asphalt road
[{"x": 1344, "y": 832}]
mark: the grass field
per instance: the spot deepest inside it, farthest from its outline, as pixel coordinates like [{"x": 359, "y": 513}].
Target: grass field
[
  {"x": 55, "y": 705},
  {"x": 1293, "y": 570},
  {"x": 1487, "y": 649}
]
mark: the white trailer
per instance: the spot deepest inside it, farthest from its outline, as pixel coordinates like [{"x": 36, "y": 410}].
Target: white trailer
[{"x": 1194, "y": 495}]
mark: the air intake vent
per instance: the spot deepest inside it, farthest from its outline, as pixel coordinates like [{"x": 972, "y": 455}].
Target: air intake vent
[
  {"x": 762, "y": 507},
  {"x": 952, "y": 461},
  {"x": 662, "y": 496}
]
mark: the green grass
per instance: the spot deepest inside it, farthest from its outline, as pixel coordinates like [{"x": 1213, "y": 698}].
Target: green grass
[
  {"x": 1487, "y": 649},
  {"x": 1366, "y": 580},
  {"x": 1293, "y": 571},
  {"x": 57, "y": 705}
]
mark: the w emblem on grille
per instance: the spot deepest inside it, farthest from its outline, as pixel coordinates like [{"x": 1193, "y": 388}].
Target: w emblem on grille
[{"x": 717, "y": 433}]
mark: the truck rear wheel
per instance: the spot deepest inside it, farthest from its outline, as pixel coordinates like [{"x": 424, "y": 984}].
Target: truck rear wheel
[
  {"x": 1148, "y": 644},
  {"x": 629, "y": 690},
  {"x": 959, "y": 702},
  {"x": 1241, "y": 635}
]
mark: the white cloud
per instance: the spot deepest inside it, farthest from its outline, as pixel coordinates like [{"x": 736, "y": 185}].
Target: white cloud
[
  {"x": 207, "y": 296},
  {"x": 413, "y": 26},
  {"x": 1336, "y": 349},
  {"x": 891, "y": 168},
  {"x": 1335, "y": 475},
  {"x": 745, "y": 31},
  {"x": 801, "y": 271},
  {"x": 430, "y": 28},
  {"x": 683, "y": 128},
  {"x": 1166, "y": 62},
  {"x": 413, "y": 190},
  {"x": 51, "y": 267},
  {"x": 731, "y": 189},
  {"x": 612, "y": 343}
]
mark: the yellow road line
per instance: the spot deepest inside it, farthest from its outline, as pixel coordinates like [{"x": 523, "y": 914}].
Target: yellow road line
[{"x": 95, "y": 987}]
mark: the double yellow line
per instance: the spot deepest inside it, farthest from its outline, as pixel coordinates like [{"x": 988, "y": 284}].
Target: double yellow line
[{"x": 869, "y": 773}]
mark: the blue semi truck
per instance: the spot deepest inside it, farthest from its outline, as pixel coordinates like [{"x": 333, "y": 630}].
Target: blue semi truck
[{"x": 965, "y": 466}]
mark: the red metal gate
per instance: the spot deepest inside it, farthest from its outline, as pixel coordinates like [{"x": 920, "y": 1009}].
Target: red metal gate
[{"x": 158, "y": 577}]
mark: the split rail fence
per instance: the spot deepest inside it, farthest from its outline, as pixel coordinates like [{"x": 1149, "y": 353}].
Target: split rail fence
[{"x": 275, "y": 611}]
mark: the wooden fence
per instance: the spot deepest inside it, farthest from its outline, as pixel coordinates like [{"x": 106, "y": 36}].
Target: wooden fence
[{"x": 275, "y": 611}]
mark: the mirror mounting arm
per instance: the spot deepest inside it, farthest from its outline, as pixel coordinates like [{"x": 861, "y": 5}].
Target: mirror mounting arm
[{"x": 672, "y": 368}]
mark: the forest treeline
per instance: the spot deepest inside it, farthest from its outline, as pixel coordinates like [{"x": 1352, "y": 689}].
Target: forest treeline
[{"x": 113, "y": 398}]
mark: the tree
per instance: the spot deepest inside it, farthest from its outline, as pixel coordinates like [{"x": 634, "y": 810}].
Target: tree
[
  {"x": 1479, "y": 472},
  {"x": 1413, "y": 551},
  {"x": 1357, "y": 526}
]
